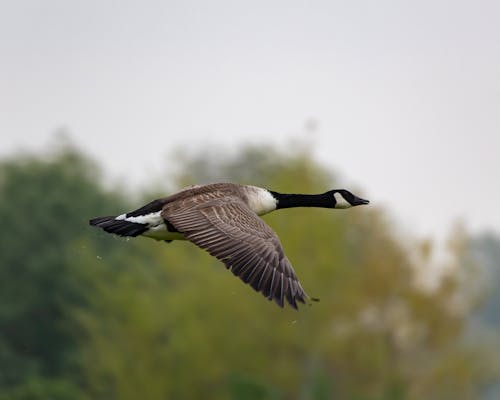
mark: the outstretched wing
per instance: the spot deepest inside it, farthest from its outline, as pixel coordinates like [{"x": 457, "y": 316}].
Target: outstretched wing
[{"x": 230, "y": 231}]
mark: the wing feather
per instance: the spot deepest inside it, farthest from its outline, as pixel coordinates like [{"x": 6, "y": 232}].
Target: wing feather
[{"x": 230, "y": 231}]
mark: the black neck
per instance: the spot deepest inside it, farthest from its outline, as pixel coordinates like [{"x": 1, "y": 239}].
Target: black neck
[{"x": 303, "y": 200}]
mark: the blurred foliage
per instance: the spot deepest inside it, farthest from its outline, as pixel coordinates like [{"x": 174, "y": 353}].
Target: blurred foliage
[
  {"x": 485, "y": 250},
  {"x": 484, "y": 326},
  {"x": 84, "y": 315}
]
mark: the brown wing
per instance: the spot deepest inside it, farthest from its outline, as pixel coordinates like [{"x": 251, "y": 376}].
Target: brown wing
[{"x": 230, "y": 231}]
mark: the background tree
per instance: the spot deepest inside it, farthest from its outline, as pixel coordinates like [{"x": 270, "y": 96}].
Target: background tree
[
  {"x": 44, "y": 206},
  {"x": 374, "y": 335},
  {"x": 84, "y": 314}
]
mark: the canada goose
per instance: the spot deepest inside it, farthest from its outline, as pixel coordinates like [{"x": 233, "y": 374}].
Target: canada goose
[{"x": 222, "y": 218}]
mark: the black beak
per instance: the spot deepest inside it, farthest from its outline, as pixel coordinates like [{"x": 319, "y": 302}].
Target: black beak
[{"x": 357, "y": 201}]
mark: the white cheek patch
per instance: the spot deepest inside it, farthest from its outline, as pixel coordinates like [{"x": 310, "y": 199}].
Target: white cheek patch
[{"x": 340, "y": 201}]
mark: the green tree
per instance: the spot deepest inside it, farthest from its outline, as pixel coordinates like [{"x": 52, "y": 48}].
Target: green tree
[
  {"x": 44, "y": 208},
  {"x": 176, "y": 324},
  {"x": 84, "y": 314}
]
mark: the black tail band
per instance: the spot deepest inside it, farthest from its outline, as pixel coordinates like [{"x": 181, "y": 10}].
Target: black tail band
[{"x": 119, "y": 226}]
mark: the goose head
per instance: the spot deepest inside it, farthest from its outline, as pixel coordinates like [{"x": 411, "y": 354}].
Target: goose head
[{"x": 344, "y": 199}]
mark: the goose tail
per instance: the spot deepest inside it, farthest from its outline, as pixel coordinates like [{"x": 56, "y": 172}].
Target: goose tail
[{"x": 119, "y": 227}]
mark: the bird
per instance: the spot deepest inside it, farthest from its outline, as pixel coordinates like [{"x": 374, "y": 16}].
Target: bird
[{"x": 223, "y": 219}]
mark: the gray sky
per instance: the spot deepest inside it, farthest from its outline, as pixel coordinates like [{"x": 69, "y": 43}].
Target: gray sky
[{"x": 406, "y": 94}]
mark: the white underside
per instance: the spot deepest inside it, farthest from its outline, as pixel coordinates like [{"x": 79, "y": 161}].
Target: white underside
[
  {"x": 148, "y": 219},
  {"x": 157, "y": 228}
]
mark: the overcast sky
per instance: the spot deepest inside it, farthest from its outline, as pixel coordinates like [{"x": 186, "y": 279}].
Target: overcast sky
[{"x": 406, "y": 95}]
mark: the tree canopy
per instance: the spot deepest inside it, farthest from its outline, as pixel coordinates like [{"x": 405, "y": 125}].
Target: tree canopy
[{"x": 87, "y": 315}]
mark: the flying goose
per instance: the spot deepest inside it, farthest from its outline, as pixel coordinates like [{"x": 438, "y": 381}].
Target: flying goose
[{"x": 222, "y": 218}]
